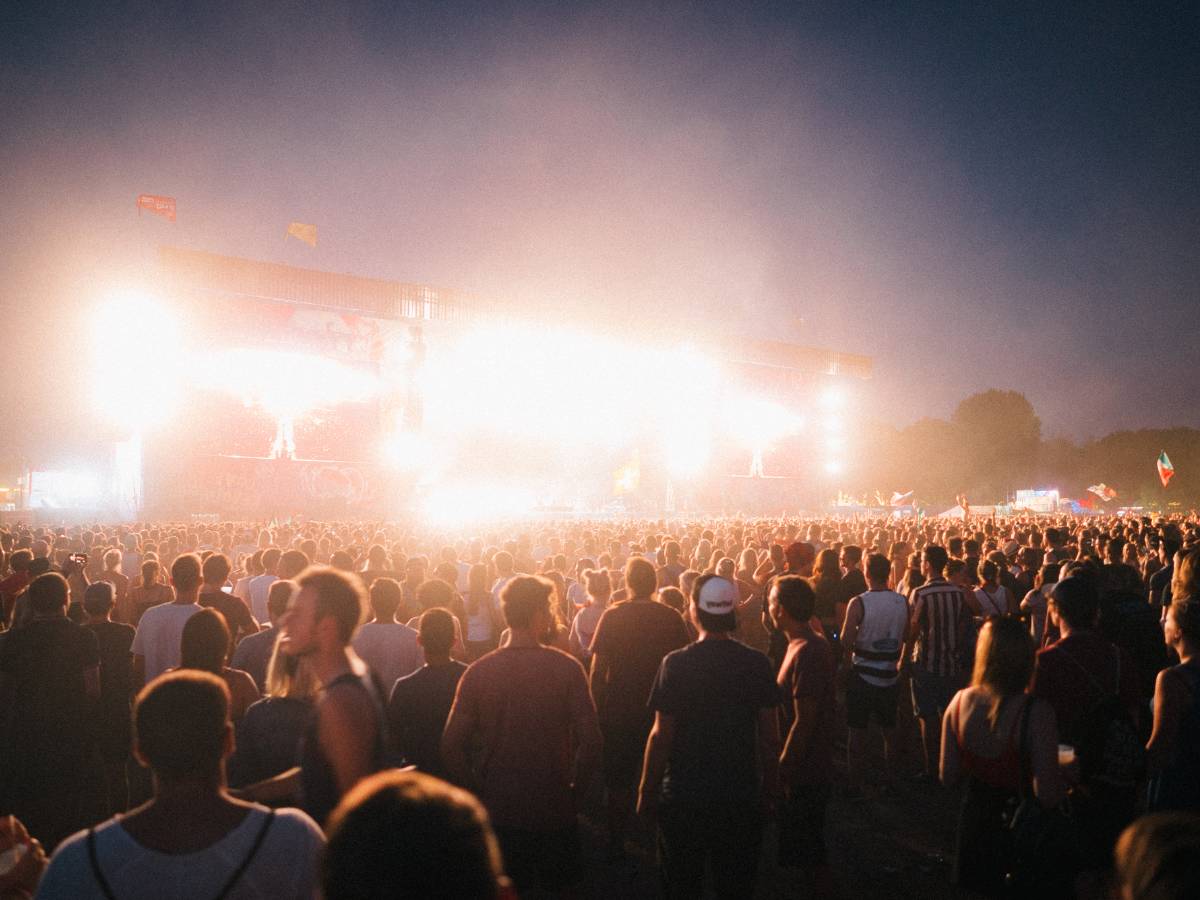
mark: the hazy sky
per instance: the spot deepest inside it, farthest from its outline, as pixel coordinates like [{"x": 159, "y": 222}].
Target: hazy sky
[{"x": 977, "y": 195}]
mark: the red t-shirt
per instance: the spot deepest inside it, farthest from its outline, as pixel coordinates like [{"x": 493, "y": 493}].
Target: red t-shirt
[
  {"x": 1075, "y": 673},
  {"x": 525, "y": 704}
]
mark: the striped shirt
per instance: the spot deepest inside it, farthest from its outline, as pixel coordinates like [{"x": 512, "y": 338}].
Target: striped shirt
[{"x": 940, "y": 618}]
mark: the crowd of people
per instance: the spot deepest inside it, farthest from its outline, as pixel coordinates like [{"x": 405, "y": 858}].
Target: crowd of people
[{"x": 345, "y": 709}]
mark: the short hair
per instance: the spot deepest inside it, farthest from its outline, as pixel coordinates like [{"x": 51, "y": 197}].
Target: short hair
[
  {"x": 150, "y": 570},
  {"x": 48, "y": 594},
  {"x": 179, "y": 722},
  {"x": 278, "y": 595},
  {"x": 216, "y": 568},
  {"x": 204, "y": 642},
  {"x": 796, "y": 596},
  {"x": 20, "y": 560},
  {"x": 186, "y": 572},
  {"x": 674, "y": 598},
  {"x": 879, "y": 567},
  {"x": 385, "y": 595},
  {"x": 1077, "y": 600},
  {"x": 99, "y": 598},
  {"x": 339, "y": 594},
  {"x": 379, "y": 823},
  {"x": 291, "y": 564},
  {"x": 853, "y": 554},
  {"x": 523, "y": 598},
  {"x": 799, "y": 555},
  {"x": 640, "y": 577},
  {"x": 270, "y": 557},
  {"x": 503, "y": 561},
  {"x": 113, "y": 558},
  {"x": 1158, "y": 857},
  {"x": 936, "y": 556},
  {"x": 435, "y": 592},
  {"x": 437, "y": 630}
]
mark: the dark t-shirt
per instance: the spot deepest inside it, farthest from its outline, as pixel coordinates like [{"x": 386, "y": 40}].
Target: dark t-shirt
[
  {"x": 1160, "y": 584},
  {"x": 714, "y": 690},
  {"x": 634, "y": 637},
  {"x": 807, "y": 673},
  {"x": 854, "y": 583},
  {"x": 1076, "y": 673},
  {"x": 417, "y": 713},
  {"x": 113, "y": 641},
  {"x": 235, "y": 612},
  {"x": 43, "y": 665}
]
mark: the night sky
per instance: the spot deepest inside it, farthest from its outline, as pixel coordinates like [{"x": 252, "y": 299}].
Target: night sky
[{"x": 977, "y": 195}]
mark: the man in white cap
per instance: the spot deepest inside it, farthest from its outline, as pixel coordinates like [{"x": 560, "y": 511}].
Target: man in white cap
[{"x": 711, "y": 766}]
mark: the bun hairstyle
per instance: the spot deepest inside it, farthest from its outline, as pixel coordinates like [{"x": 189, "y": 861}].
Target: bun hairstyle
[{"x": 598, "y": 582}]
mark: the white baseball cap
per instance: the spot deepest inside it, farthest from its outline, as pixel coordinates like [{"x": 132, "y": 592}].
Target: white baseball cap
[{"x": 718, "y": 596}]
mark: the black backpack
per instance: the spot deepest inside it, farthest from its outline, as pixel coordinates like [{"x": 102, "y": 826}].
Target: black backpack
[{"x": 1110, "y": 749}]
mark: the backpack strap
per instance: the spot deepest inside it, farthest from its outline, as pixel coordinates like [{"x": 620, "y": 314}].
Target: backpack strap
[
  {"x": 94, "y": 862},
  {"x": 254, "y": 848}
]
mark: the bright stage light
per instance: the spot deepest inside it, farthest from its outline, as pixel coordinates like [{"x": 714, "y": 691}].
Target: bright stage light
[
  {"x": 834, "y": 467},
  {"x": 407, "y": 452},
  {"x": 451, "y": 505},
  {"x": 832, "y": 397},
  {"x": 287, "y": 385},
  {"x": 138, "y": 359}
]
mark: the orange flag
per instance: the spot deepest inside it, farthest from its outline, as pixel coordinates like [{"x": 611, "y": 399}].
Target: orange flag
[
  {"x": 160, "y": 206},
  {"x": 303, "y": 232}
]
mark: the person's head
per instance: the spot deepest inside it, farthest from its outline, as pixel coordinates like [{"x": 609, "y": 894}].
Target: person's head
[
  {"x": 186, "y": 574},
  {"x": 435, "y": 592},
  {"x": 672, "y": 551},
  {"x": 386, "y": 595},
  {"x": 291, "y": 564},
  {"x": 150, "y": 572},
  {"x": 598, "y": 585},
  {"x": 799, "y": 557},
  {"x": 20, "y": 560},
  {"x": 270, "y": 560},
  {"x": 988, "y": 572},
  {"x": 640, "y": 577},
  {"x": 436, "y": 632},
  {"x": 405, "y": 834},
  {"x": 933, "y": 560},
  {"x": 525, "y": 602},
  {"x": 851, "y": 556},
  {"x": 714, "y": 604},
  {"x": 1183, "y": 624},
  {"x": 726, "y": 568},
  {"x": 827, "y": 564},
  {"x": 181, "y": 726},
  {"x": 112, "y": 560},
  {"x": 325, "y": 613},
  {"x": 204, "y": 643},
  {"x": 99, "y": 599},
  {"x": 279, "y": 595},
  {"x": 1158, "y": 857},
  {"x": 1185, "y": 582},
  {"x": 1047, "y": 574},
  {"x": 1076, "y": 601},
  {"x": 674, "y": 598},
  {"x": 503, "y": 561},
  {"x": 791, "y": 602},
  {"x": 291, "y": 676},
  {"x": 1169, "y": 544},
  {"x": 216, "y": 569},
  {"x": 1003, "y": 660},
  {"x": 48, "y": 594},
  {"x": 879, "y": 567}
]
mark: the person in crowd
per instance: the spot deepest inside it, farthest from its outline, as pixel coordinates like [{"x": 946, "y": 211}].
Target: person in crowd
[
  {"x": 583, "y": 626},
  {"x": 389, "y": 648},
  {"x": 807, "y": 725},
  {"x": 939, "y": 628},
  {"x": 527, "y": 709},
  {"x": 192, "y": 836},
  {"x": 112, "y": 722},
  {"x": 261, "y": 584},
  {"x": 483, "y": 619},
  {"x": 347, "y": 737},
  {"x": 992, "y": 598},
  {"x": 420, "y": 702},
  {"x": 269, "y": 735},
  {"x": 374, "y": 831},
  {"x": 252, "y": 567},
  {"x": 854, "y": 582},
  {"x": 15, "y": 583},
  {"x": 1174, "y": 746},
  {"x": 151, "y": 591},
  {"x": 1158, "y": 858},
  {"x": 215, "y": 571},
  {"x": 49, "y": 679},
  {"x": 1036, "y": 603},
  {"x": 873, "y": 638},
  {"x": 1169, "y": 544},
  {"x": 156, "y": 643},
  {"x": 672, "y": 567},
  {"x": 113, "y": 575},
  {"x": 993, "y": 734},
  {"x": 253, "y": 654},
  {"x": 628, "y": 647},
  {"x": 711, "y": 764},
  {"x": 204, "y": 645}
]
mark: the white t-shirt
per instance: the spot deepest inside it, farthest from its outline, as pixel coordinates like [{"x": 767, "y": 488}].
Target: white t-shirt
[
  {"x": 158, "y": 635},
  {"x": 259, "y": 587},
  {"x": 284, "y": 866},
  {"x": 390, "y": 649},
  {"x": 992, "y": 603}
]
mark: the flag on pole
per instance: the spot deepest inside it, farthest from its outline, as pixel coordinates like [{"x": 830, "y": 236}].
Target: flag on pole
[
  {"x": 899, "y": 499},
  {"x": 160, "y": 206},
  {"x": 1103, "y": 491},
  {"x": 302, "y": 232},
  {"x": 1165, "y": 469}
]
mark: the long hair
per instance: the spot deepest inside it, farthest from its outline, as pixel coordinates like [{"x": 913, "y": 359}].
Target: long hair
[
  {"x": 1185, "y": 583},
  {"x": 477, "y": 587},
  {"x": 1003, "y": 662}
]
